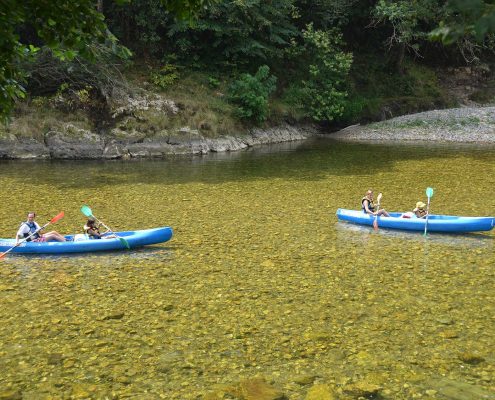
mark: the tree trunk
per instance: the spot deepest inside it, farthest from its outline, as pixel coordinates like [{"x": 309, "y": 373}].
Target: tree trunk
[{"x": 400, "y": 58}]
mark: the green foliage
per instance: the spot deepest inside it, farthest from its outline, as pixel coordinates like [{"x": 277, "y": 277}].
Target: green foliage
[
  {"x": 186, "y": 10},
  {"x": 48, "y": 74},
  {"x": 411, "y": 21},
  {"x": 250, "y": 94},
  {"x": 354, "y": 108},
  {"x": 213, "y": 82},
  {"x": 141, "y": 25},
  {"x": 324, "y": 14},
  {"x": 66, "y": 27},
  {"x": 463, "y": 18},
  {"x": 236, "y": 34},
  {"x": 376, "y": 93},
  {"x": 166, "y": 76},
  {"x": 322, "y": 92}
]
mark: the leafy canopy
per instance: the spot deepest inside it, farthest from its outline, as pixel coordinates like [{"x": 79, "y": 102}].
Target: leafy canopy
[
  {"x": 466, "y": 17},
  {"x": 67, "y": 27}
]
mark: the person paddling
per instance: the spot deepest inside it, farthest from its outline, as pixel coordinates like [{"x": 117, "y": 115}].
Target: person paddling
[
  {"x": 31, "y": 227},
  {"x": 93, "y": 230},
  {"x": 369, "y": 208}
]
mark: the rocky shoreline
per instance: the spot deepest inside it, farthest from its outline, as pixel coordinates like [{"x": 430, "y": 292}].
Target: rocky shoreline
[
  {"x": 466, "y": 125},
  {"x": 77, "y": 144}
]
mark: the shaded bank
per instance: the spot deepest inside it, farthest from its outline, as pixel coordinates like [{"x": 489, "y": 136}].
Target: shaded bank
[{"x": 87, "y": 145}]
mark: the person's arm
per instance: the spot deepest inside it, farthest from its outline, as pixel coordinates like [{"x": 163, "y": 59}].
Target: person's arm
[
  {"x": 20, "y": 233},
  {"x": 94, "y": 232},
  {"x": 104, "y": 233}
]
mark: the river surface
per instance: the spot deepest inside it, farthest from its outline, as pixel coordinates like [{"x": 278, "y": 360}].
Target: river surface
[{"x": 261, "y": 293}]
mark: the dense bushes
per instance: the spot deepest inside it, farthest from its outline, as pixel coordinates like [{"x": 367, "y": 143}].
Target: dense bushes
[
  {"x": 250, "y": 94},
  {"x": 302, "y": 42}
]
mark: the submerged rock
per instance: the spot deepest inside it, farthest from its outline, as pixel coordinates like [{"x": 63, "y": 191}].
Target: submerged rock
[
  {"x": 320, "y": 392},
  {"x": 259, "y": 389},
  {"x": 471, "y": 358}
]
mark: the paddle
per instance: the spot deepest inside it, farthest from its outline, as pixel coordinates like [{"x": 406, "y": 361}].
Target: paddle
[
  {"x": 429, "y": 194},
  {"x": 88, "y": 213},
  {"x": 52, "y": 221},
  {"x": 375, "y": 222}
]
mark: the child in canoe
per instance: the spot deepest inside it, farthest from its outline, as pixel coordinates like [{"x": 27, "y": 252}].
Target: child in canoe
[
  {"x": 419, "y": 212},
  {"x": 92, "y": 230}
]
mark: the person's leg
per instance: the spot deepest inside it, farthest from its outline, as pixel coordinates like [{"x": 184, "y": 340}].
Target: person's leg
[
  {"x": 383, "y": 212},
  {"x": 54, "y": 236}
]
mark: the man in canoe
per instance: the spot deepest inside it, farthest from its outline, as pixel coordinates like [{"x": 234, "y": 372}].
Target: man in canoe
[
  {"x": 369, "y": 208},
  {"x": 31, "y": 231}
]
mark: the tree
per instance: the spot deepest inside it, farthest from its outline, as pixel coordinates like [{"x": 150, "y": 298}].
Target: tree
[
  {"x": 324, "y": 14},
  {"x": 321, "y": 94},
  {"x": 141, "y": 26},
  {"x": 474, "y": 18},
  {"x": 67, "y": 27},
  {"x": 237, "y": 32},
  {"x": 410, "y": 22}
]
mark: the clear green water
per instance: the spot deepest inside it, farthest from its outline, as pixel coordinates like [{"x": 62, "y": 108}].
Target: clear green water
[{"x": 260, "y": 280}]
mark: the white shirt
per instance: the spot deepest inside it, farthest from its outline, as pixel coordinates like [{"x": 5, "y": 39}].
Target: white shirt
[{"x": 25, "y": 229}]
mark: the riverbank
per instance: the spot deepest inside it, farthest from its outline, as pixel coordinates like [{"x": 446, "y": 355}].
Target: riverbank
[
  {"x": 73, "y": 141},
  {"x": 75, "y": 144},
  {"x": 138, "y": 126},
  {"x": 466, "y": 124}
]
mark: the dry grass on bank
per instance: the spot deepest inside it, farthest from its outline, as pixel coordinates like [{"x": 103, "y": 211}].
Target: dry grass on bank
[
  {"x": 34, "y": 118},
  {"x": 201, "y": 100}
]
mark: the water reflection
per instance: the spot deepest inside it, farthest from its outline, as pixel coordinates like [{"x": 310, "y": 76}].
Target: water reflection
[
  {"x": 313, "y": 159},
  {"x": 351, "y": 232}
]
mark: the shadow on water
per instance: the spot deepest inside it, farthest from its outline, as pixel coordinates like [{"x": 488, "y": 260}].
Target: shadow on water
[
  {"x": 309, "y": 160},
  {"x": 157, "y": 252},
  {"x": 347, "y": 232}
]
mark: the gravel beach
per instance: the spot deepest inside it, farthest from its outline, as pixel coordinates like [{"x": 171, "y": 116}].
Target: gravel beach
[{"x": 467, "y": 124}]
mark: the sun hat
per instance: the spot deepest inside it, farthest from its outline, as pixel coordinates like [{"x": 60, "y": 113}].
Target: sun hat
[{"x": 420, "y": 206}]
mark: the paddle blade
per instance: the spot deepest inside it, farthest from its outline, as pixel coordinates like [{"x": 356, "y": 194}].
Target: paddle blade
[
  {"x": 375, "y": 224},
  {"x": 429, "y": 192},
  {"x": 124, "y": 242},
  {"x": 3, "y": 255},
  {"x": 57, "y": 217},
  {"x": 86, "y": 211}
]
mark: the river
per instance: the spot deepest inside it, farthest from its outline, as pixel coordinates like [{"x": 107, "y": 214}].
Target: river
[{"x": 261, "y": 293}]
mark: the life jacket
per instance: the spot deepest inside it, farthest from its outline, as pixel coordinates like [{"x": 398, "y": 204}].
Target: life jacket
[
  {"x": 421, "y": 213},
  {"x": 95, "y": 232},
  {"x": 371, "y": 206},
  {"x": 32, "y": 229}
]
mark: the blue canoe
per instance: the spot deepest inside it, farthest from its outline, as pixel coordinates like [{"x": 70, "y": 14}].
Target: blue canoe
[
  {"x": 436, "y": 223},
  {"x": 133, "y": 238}
]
